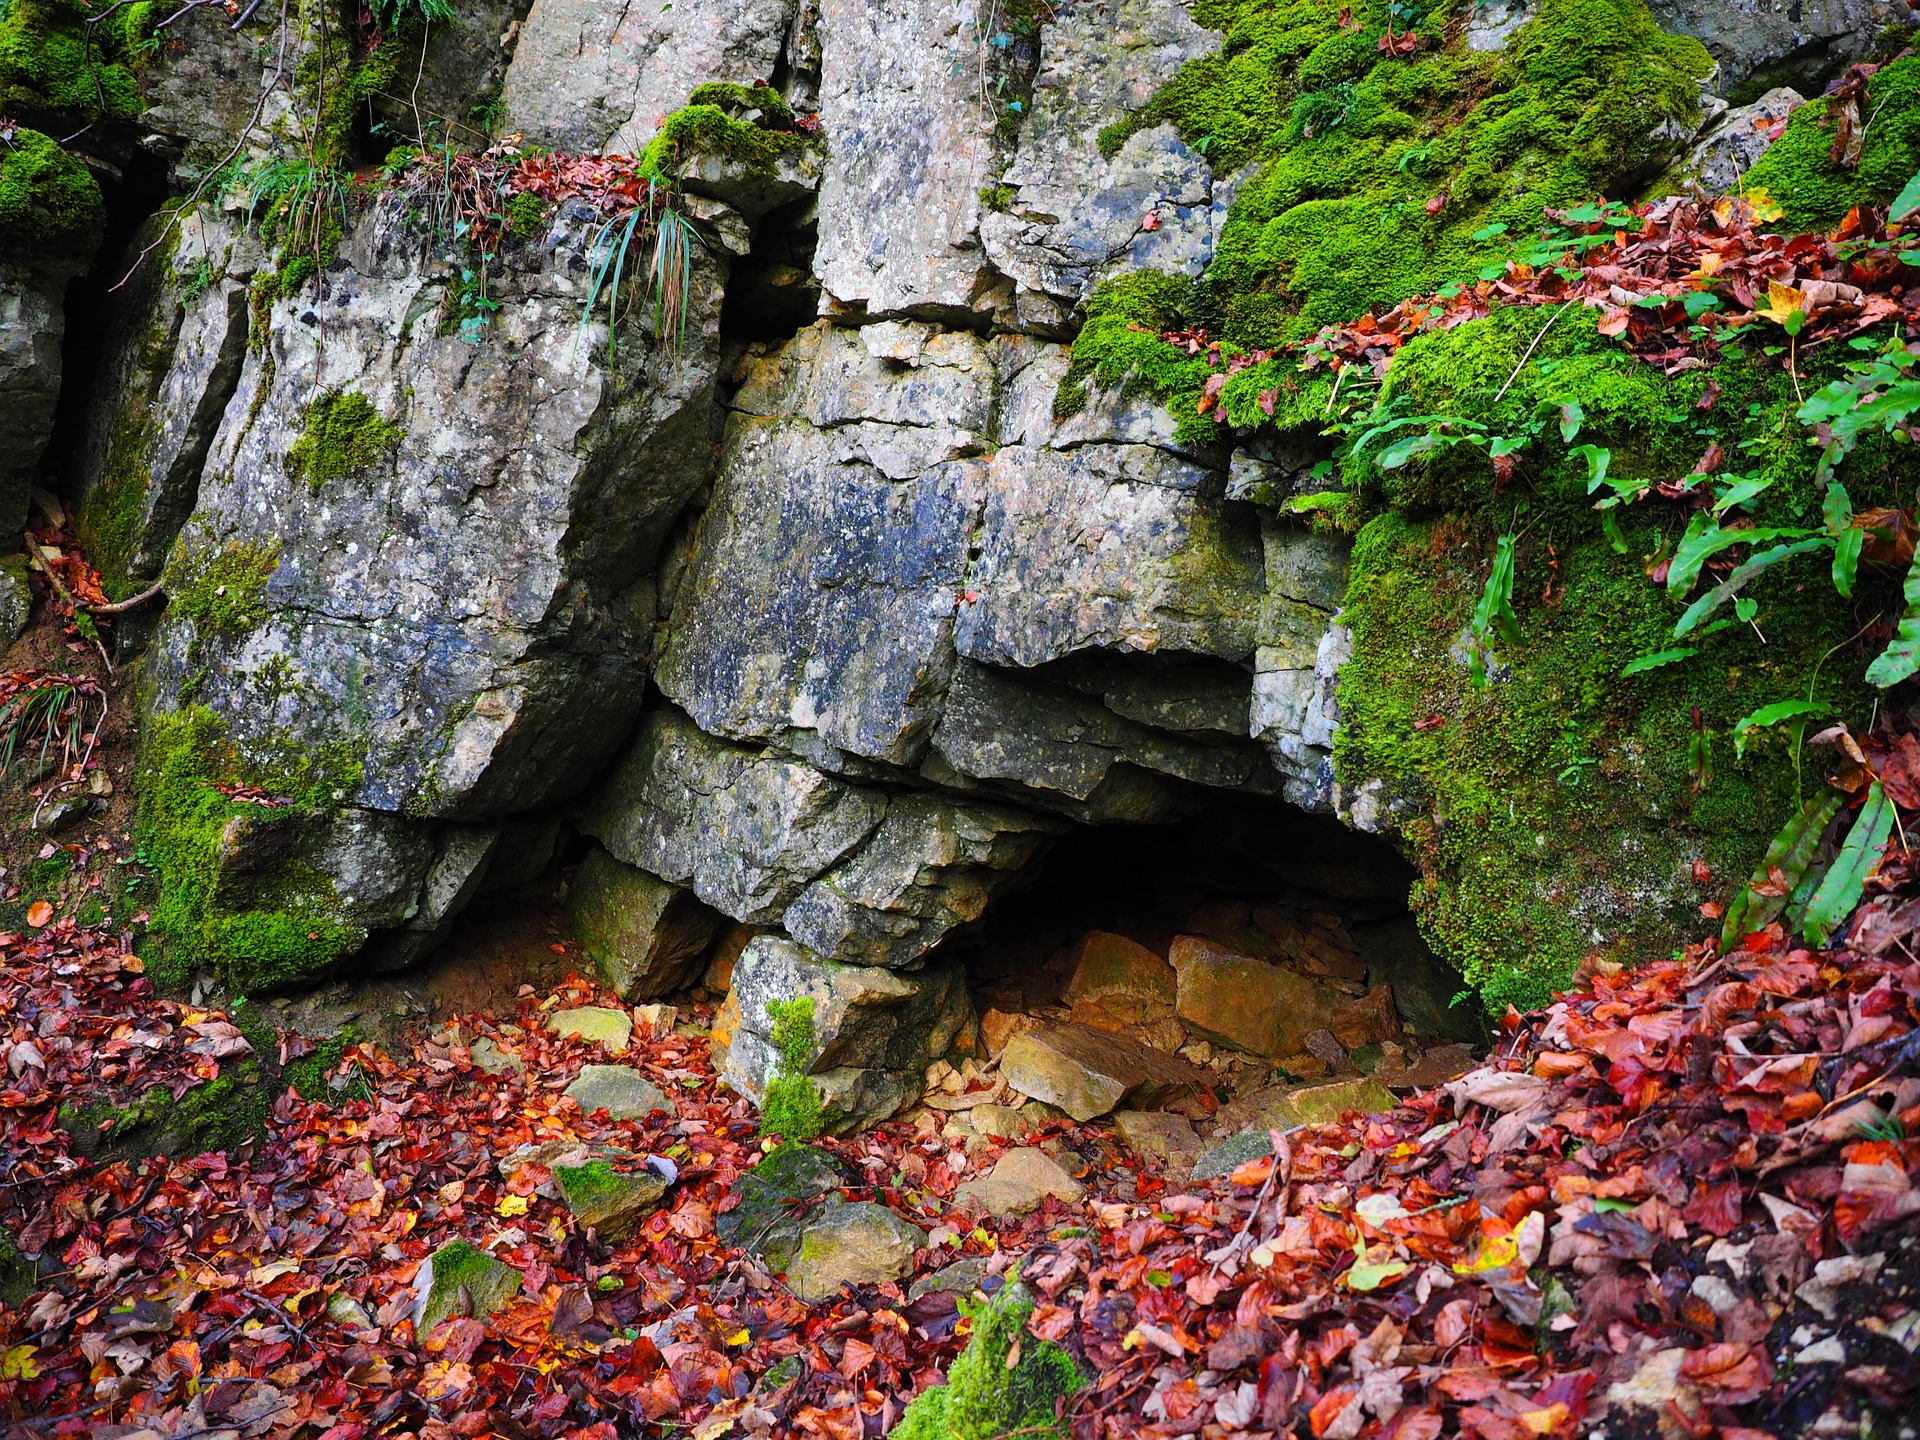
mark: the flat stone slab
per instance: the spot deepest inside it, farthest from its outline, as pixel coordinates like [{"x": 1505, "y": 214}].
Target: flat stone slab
[
  {"x": 623, "y": 1093},
  {"x": 460, "y": 1279},
  {"x": 1281, "y": 1107},
  {"x": 857, "y": 1243},
  {"x": 601, "y": 1024},
  {"x": 1019, "y": 1184},
  {"x": 1245, "y": 1002},
  {"x": 962, "y": 1277},
  {"x": 1089, "y": 1072},
  {"x": 1122, "y": 976},
  {"x": 1231, "y": 1153},
  {"x": 490, "y": 1059}
]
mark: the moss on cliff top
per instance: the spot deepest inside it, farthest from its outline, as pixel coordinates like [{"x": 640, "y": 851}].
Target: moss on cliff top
[
  {"x": 707, "y": 127},
  {"x": 1378, "y": 172},
  {"x": 49, "y": 201}
]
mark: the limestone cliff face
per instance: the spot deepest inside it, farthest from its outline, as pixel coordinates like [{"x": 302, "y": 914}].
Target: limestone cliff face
[{"x": 825, "y": 614}]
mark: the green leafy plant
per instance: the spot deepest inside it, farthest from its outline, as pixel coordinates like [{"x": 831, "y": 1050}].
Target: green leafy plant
[
  {"x": 791, "y": 1108},
  {"x": 1494, "y": 614},
  {"x": 668, "y": 279},
  {"x": 47, "y": 720}
]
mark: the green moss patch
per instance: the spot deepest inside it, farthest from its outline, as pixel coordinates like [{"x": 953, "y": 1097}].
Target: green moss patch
[
  {"x": 256, "y": 926},
  {"x": 1006, "y": 1382},
  {"x": 1798, "y": 171},
  {"x": 49, "y": 201},
  {"x": 344, "y": 435},
  {"x": 708, "y": 128},
  {"x": 44, "y": 58}
]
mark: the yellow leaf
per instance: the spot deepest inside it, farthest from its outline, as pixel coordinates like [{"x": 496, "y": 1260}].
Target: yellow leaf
[
  {"x": 1710, "y": 263},
  {"x": 740, "y": 1339},
  {"x": 511, "y": 1205},
  {"x": 1546, "y": 1421},
  {"x": 1782, "y": 302},
  {"x": 19, "y": 1364},
  {"x": 1765, "y": 208},
  {"x": 1371, "y": 1277},
  {"x": 272, "y": 1271},
  {"x": 1496, "y": 1252}
]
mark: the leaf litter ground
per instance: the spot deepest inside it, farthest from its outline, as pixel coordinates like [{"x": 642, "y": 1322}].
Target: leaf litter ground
[{"x": 1681, "y": 1196}]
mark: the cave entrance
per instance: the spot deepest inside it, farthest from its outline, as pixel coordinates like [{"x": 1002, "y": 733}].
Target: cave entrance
[{"x": 1296, "y": 957}]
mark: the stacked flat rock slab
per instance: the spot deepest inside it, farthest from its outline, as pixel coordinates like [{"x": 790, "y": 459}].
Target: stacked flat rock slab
[
  {"x": 646, "y": 937},
  {"x": 1088, "y": 1073},
  {"x": 1261, "y": 1008}
]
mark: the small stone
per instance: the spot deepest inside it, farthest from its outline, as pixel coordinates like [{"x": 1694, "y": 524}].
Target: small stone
[
  {"x": 1435, "y": 1067},
  {"x": 606, "y": 1200},
  {"x": 343, "y": 1309},
  {"x": 460, "y": 1279},
  {"x": 1323, "y": 1104},
  {"x": 775, "y": 1198},
  {"x": 851, "y": 1243},
  {"x": 600, "y": 1024},
  {"x": 1121, "y": 977},
  {"x": 1230, "y": 1154},
  {"x": 1366, "y": 1021},
  {"x": 623, "y": 1093},
  {"x": 1830, "y": 1351},
  {"x": 490, "y": 1059},
  {"x": 1020, "y": 1182},
  {"x": 962, "y": 1277},
  {"x": 1160, "y": 1136},
  {"x": 1087, "y": 1073},
  {"x": 658, "y": 1019},
  {"x": 1248, "y": 1003},
  {"x": 1721, "y": 1297},
  {"x": 1659, "y": 1387},
  {"x": 998, "y": 1122},
  {"x": 1306, "y": 1065}
]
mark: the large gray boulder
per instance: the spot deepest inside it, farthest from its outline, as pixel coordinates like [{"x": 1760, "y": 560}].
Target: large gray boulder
[
  {"x": 1802, "y": 43},
  {"x": 587, "y": 77},
  {"x": 416, "y": 584},
  {"x": 1075, "y": 216},
  {"x": 33, "y": 323},
  {"x": 912, "y": 141},
  {"x": 176, "y": 342},
  {"x": 1117, "y": 547},
  {"x": 833, "y": 556},
  {"x": 1297, "y": 662},
  {"x": 745, "y": 828}
]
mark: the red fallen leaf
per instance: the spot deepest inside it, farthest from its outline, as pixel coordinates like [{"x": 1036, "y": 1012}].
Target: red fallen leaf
[
  {"x": 1268, "y": 399},
  {"x": 1735, "y": 1373},
  {"x": 1614, "y": 322},
  {"x": 1710, "y": 459},
  {"x": 39, "y": 913},
  {"x": 1432, "y": 722},
  {"x": 1152, "y": 222},
  {"x": 1328, "y": 1407},
  {"x": 1253, "y": 1172},
  {"x": 1709, "y": 397}
]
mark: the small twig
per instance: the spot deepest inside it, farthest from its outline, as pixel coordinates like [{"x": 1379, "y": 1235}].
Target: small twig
[
  {"x": 1535, "y": 345},
  {"x": 120, "y": 607}
]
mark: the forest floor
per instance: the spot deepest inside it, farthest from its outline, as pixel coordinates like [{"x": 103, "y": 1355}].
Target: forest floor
[{"x": 1681, "y": 1198}]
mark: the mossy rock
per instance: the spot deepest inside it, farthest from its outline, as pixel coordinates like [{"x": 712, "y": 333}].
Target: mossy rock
[
  {"x": 19, "y": 1276},
  {"x": 51, "y": 60},
  {"x": 50, "y": 204},
  {"x": 220, "y": 1114},
  {"x": 344, "y": 435},
  {"x": 985, "y": 1397},
  {"x": 608, "y": 1201},
  {"x": 461, "y": 1279},
  {"x": 1798, "y": 171},
  {"x": 775, "y": 1195}
]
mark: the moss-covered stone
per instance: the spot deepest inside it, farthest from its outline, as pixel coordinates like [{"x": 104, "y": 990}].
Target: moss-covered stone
[
  {"x": 222, "y": 1114},
  {"x": 991, "y": 1391},
  {"x": 343, "y": 436},
  {"x": 461, "y": 1279},
  {"x": 1798, "y": 172},
  {"x": 281, "y": 922},
  {"x": 50, "y": 203},
  {"x": 708, "y": 128},
  {"x": 610, "y": 1201},
  {"x": 48, "y": 64}
]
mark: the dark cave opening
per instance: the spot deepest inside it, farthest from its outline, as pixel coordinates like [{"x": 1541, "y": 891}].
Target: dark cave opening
[{"x": 1252, "y": 876}]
